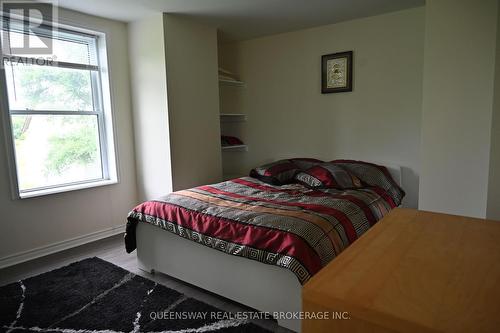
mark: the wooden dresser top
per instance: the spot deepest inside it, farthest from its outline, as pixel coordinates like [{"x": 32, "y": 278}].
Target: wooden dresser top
[{"x": 417, "y": 271}]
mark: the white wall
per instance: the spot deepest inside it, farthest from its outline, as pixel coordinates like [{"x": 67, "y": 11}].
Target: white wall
[
  {"x": 493, "y": 209},
  {"x": 288, "y": 116},
  {"x": 149, "y": 92},
  {"x": 457, "y": 105},
  {"x": 40, "y": 222},
  {"x": 176, "y": 107},
  {"x": 193, "y": 102}
]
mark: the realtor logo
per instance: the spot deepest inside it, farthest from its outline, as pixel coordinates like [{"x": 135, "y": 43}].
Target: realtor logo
[{"x": 27, "y": 27}]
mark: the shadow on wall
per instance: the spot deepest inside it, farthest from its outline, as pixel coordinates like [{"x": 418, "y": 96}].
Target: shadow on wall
[{"x": 410, "y": 184}]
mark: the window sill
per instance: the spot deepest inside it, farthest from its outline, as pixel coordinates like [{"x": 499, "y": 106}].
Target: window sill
[{"x": 67, "y": 188}]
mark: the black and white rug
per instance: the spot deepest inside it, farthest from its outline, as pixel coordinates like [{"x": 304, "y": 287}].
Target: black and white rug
[{"x": 94, "y": 296}]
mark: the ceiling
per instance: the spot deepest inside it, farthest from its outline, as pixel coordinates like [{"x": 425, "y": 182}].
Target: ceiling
[{"x": 245, "y": 19}]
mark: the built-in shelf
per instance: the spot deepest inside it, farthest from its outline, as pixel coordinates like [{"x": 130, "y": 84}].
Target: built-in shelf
[
  {"x": 233, "y": 83},
  {"x": 235, "y": 148},
  {"x": 226, "y": 78},
  {"x": 232, "y": 117}
]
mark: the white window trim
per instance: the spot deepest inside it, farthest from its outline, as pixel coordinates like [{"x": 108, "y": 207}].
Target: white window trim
[
  {"x": 66, "y": 188},
  {"x": 108, "y": 145}
]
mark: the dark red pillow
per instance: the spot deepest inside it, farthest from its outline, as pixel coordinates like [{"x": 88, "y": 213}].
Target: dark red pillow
[
  {"x": 230, "y": 140},
  {"x": 283, "y": 171},
  {"x": 327, "y": 175}
]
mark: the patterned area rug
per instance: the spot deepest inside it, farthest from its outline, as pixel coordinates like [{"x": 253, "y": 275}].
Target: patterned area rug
[{"x": 95, "y": 296}]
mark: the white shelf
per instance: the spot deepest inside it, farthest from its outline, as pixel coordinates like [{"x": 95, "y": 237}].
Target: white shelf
[
  {"x": 232, "y": 83},
  {"x": 235, "y": 148},
  {"x": 232, "y": 117}
]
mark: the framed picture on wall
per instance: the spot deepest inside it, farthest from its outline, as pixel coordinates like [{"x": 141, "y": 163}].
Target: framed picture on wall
[{"x": 336, "y": 72}]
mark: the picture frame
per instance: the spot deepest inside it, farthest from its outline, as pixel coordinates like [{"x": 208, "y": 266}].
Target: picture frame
[{"x": 336, "y": 72}]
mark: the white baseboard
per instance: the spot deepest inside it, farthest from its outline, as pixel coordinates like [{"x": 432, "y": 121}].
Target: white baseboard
[{"x": 38, "y": 252}]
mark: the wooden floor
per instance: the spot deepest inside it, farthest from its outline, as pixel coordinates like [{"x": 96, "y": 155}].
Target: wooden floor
[{"x": 112, "y": 249}]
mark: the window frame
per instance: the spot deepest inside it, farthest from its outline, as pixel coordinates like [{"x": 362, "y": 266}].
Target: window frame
[{"x": 103, "y": 110}]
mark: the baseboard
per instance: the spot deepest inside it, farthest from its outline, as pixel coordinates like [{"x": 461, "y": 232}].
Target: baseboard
[{"x": 38, "y": 252}]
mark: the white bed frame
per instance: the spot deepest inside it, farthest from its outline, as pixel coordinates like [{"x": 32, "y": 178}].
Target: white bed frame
[{"x": 257, "y": 285}]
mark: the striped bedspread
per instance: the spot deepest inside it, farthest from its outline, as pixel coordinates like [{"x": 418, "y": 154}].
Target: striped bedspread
[{"x": 289, "y": 226}]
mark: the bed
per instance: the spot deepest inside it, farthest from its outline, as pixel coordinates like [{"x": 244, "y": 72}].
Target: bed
[{"x": 257, "y": 242}]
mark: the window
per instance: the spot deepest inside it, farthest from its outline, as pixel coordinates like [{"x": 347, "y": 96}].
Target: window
[{"x": 59, "y": 112}]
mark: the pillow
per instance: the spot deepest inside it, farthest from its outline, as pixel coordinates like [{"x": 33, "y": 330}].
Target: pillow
[
  {"x": 328, "y": 175},
  {"x": 374, "y": 175},
  {"x": 230, "y": 140},
  {"x": 283, "y": 171}
]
